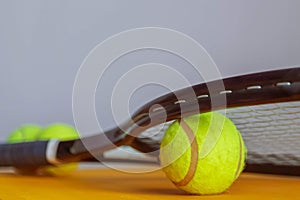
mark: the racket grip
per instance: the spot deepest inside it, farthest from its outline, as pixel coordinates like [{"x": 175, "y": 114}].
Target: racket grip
[{"x": 24, "y": 155}]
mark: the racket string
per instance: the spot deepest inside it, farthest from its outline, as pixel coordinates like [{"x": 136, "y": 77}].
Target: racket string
[{"x": 271, "y": 132}]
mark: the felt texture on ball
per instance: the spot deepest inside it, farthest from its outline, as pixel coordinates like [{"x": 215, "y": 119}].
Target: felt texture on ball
[
  {"x": 203, "y": 154},
  {"x": 25, "y": 133},
  {"x": 61, "y": 132}
]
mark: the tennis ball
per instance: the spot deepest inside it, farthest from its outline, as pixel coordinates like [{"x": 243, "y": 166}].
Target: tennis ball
[
  {"x": 203, "y": 154},
  {"x": 25, "y": 133},
  {"x": 61, "y": 132}
]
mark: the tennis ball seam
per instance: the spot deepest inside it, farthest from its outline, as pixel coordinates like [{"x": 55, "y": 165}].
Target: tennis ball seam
[
  {"x": 194, "y": 154},
  {"x": 240, "y": 157}
]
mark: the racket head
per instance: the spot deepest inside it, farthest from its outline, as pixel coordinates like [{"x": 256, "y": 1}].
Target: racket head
[{"x": 240, "y": 91}]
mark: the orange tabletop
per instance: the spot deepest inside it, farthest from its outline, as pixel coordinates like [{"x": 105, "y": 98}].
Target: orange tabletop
[{"x": 111, "y": 184}]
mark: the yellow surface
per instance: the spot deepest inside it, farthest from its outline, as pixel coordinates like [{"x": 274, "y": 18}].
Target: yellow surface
[{"x": 110, "y": 184}]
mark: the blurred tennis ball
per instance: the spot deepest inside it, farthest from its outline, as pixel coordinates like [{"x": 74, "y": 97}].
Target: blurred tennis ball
[
  {"x": 61, "y": 132},
  {"x": 25, "y": 133},
  {"x": 203, "y": 154}
]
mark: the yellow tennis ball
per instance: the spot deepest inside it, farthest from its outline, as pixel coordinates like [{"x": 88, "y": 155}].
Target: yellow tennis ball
[
  {"x": 203, "y": 154},
  {"x": 61, "y": 132},
  {"x": 25, "y": 133}
]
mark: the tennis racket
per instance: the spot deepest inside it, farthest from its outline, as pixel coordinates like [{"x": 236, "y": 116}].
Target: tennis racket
[{"x": 264, "y": 106}]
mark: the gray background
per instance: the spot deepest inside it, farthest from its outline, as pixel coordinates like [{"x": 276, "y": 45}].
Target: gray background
[{"x": 43, "y": 43}]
